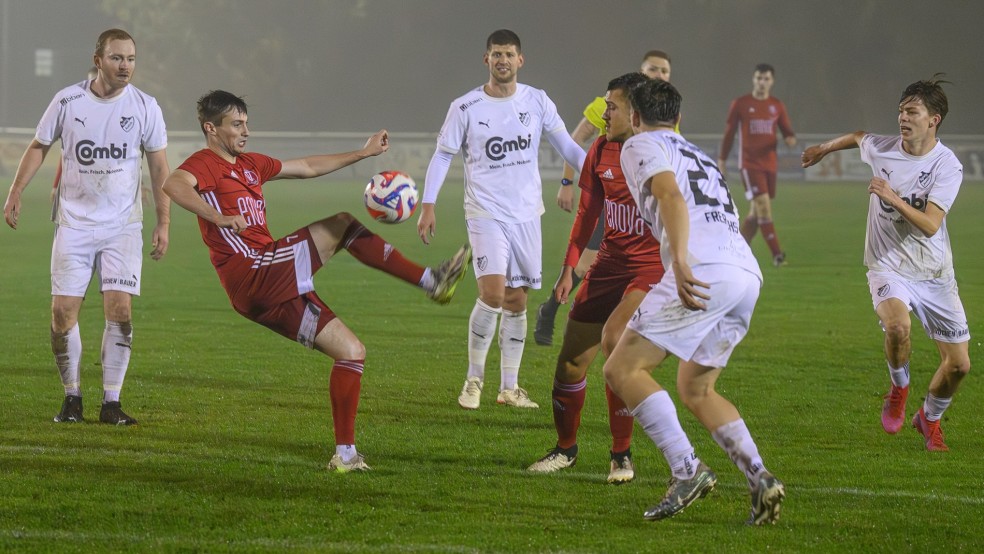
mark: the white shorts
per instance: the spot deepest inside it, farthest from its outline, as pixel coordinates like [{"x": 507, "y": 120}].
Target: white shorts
[
  {"x": 935, "y": 302},
  {"x": 114, "y": 255},
  {"x": 511, "y": 249},
  {"x": 707, "y": 337}
]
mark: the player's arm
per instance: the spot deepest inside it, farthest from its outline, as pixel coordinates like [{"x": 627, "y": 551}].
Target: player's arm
[
  {"x": 589, "y": 209},
  {"x": 316, "y": 166},
  {"x": 730, "y": 128},
  {"x": 675, "y": 217},
  {"x": 786, "y": 127},
  {"x": 180, "y": 186},
  {"x": 29, "y": 164},
  {"x": 584, "y": 132},
  {"x": 566, "y": 147},
  {"x": 928, "y": 222},
  {"x": 814, "y": 154},
  {"x": 437, "y": 171},
  {"x": 159, "y": 171}
]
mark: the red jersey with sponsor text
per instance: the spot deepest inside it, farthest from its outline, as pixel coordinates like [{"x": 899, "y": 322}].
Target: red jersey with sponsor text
[
  {"x": 233, "y": 189},
  {"x": 757, "y": 121},
  {"x": 628, "y": 242}
]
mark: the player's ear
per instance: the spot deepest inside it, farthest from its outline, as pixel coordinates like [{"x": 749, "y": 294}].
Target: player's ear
[{"x": 209, "y": 128}]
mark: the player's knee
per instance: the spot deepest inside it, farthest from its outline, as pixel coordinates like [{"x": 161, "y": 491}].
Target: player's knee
[
  {"x": 614, "y": 376},
  {"x": 352, "y": 350},
  {"x": 898, "y": 330},
  {"x": 692, "y": 394},
  {"x": 958, "y": 365},
  {"x": 571, "y": 369}
]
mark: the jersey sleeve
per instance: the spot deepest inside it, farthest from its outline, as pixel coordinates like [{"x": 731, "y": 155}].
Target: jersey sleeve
[
  {"x": 866, "y": 146},
  {"x": 644, "y": 161},
  {"x": 552, "y": 121},
  {"x": 267, "y": 167},
  {"x": 785, "y": 125},
  {"x": 155, "y": 134},
  {"x": 453, "y": 132},
  {"x": 944, "y": 191},
  {"x": 50, "y": 127},
  {"x": 205, "y": 176},
  {"x": 594, "y": 111}
]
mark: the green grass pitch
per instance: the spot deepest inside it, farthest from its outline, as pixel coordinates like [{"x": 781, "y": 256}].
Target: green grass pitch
[{"x": 235, "y": 427}]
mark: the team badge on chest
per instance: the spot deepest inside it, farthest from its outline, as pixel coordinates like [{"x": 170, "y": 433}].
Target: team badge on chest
[{"x": 126, "y": 123}]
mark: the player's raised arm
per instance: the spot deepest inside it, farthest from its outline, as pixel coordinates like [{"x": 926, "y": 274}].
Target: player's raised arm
[
  {"x": 814, "y": 154},
  {"x": 316, "y": 166}
]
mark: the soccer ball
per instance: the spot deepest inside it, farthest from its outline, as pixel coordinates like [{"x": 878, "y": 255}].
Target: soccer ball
[{"x": 391, "y": 197}]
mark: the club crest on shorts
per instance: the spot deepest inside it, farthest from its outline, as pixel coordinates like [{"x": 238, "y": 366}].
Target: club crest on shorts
[
  {"x": 883, "y": 290},
  {"x": 482, "y": 262},
  {"x": 126, "y": 123}
]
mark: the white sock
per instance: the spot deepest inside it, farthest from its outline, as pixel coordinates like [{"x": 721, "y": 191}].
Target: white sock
[
  {"x": 934, "y": 406},
  {"x": 427, "y": 280},
  {"x": 899, "y": 375},
  {"x": 67, "y": 348},
  {"x": 658, "y": 417},
  {"x": 481, "y": 328},
  {"x": 346, "y": 451},
  {"x": 512, "y": 341},
  {"x": 117, "y": 338},
  {"x": 737, "y": 442}
]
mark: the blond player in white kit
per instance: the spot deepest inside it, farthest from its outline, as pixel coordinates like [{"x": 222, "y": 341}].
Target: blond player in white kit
[
  {"x": 98, "y": 214},
  {"x": 699, "y": 311},
  {"x": 497, "y": 127},
  {"x": 907, "y": 251}
]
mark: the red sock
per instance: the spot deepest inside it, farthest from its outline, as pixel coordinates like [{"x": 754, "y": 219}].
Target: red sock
[
  {"x": 620, "y": 421},
  {"x": 769, "y": 234},
  {"x": 370, "y": 249},
  {"x": 568, "y": 400},
  {"x": 748, "y": 229},
  {"x": 343, "y": 388}
]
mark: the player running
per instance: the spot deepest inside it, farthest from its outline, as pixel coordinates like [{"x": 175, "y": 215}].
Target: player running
[
  {"x": 907, "y": 251},
  {"x": 627, "y": 266},
  {"x": 271, "y": 281}
]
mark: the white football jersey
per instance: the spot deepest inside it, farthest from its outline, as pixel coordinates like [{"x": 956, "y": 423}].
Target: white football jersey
[
  {"x": 101, "y": 157},
  {"x": 714, "y": 227},
  {"x": 891, "y": 242},
  {"x": 499, "y": 139}
]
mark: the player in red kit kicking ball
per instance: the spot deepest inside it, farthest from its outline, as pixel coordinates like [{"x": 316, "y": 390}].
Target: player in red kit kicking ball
[{"x": 271, "y": 281}]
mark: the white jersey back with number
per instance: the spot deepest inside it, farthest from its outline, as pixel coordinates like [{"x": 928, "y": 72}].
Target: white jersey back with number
[
  {"x": 101, "y": 141},
  {"x": 714, "y": 229},
  {"x": 891, "y": 242},
  {"x": 499, "y": 139}
]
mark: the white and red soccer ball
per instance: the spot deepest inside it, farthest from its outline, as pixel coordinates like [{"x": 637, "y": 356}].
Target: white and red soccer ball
[{"x": 391, "y": 197}]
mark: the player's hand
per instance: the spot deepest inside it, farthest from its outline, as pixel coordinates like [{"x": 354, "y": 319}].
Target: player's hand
[
  {"x": 377, "y": 144},
  {"x": 11, "y": 209},
  {"x": 565, "y": 197},
  {"x": 159, "y": 241},
  {"x": 812, "y": 155},
  {"x": 426, "y": 223},
  {"x": 562, "y": 288},
  {"x": 790, "y": 141},
  {"x": 235, "y": 222},
  {"x": 687, "y": 287},
  {"x": 880, "y": 188}
]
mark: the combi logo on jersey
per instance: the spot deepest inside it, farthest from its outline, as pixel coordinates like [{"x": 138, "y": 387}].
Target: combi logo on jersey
[
  {"x": 496, "y": 148},
  {"x": 86, "y": 152}
]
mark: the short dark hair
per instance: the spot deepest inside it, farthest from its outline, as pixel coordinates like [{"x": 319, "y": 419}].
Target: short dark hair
[
  {"x": 215, "y": 104},
  {"x": 658, "y": 102},
  {"x": 765, "y": 68},
  {"x": 503, "y": 37},
  {"x": 657, "y": 54},
  {"x": 627, "y": 82},
  {"x": 108, "y": 35},
  {"x": 932, "y": 96}
]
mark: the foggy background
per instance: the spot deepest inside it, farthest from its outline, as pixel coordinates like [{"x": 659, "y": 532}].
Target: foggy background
[{"x": 360, "y": 65}]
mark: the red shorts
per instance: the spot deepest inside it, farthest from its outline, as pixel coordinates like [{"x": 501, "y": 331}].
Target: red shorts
[
  {"x": 758, "y": 182},
  {"x": 603, "y": 289},
  {"x": 276, "y": 289}
]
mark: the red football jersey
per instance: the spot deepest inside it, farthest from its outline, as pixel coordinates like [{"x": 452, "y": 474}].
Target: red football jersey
[
  {"x": 233, "y": 189},
  {"x": 758, "y": 120},
  {"x": 628, "y": 241}
]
